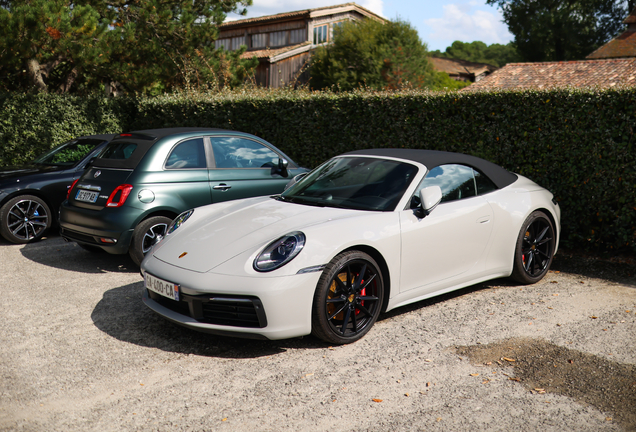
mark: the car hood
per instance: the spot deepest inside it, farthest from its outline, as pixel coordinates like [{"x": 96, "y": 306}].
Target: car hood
[{"x": 218, "y": 232}]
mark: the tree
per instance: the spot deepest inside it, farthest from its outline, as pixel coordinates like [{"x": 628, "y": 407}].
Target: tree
[
  {"x": 556, "y": 30},
  {"x": 372, "y": 54},
  {"x": 495, "y": 54},
  {"x": 145, "y": 46}
]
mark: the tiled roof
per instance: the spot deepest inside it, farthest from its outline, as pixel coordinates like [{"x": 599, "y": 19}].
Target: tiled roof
[
  {"x": 457, "y": 67},
  {"x": 268, "y": 53},
  {"x": 584, "y": 73},
  {"x": 623, "y": 45},
  {"x": 294, "y": 14}
]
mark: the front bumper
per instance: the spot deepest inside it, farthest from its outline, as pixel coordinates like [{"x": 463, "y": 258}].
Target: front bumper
[{"x": 261, "y": 307}]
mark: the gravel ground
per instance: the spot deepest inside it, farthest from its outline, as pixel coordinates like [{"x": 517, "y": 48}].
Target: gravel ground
[{"x": 80, "y": 352}]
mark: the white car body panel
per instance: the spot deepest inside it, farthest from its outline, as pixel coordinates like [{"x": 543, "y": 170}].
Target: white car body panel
[{"x": 460, "y": 243}]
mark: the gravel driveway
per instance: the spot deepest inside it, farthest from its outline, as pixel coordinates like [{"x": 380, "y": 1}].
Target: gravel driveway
[{"x": 80, "y": 352}]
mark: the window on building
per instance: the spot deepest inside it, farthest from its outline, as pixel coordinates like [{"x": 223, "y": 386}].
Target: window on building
[
  {"x": 237, "y": 42},
  {"x": 297, "y": 36},
  {"x": 278, "y": 38},
  {"x": 259, "y": 40},
  {"x": 320, "y": 34},
  {"x": 225, "y": 43}
]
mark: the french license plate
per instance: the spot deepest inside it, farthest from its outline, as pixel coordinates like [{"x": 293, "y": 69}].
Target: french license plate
[
  {"x": 162, "y": 287},
  {"x": 87, "y": 196}
]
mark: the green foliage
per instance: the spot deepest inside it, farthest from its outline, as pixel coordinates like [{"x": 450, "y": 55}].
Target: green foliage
[
  {"x": 579, "y": 144},
  {"x": 557, "y": 30},
  {"x": 478, "y": 52},
  {"x": 146, "y": 46},
  {"x": 373, "y": 55}
]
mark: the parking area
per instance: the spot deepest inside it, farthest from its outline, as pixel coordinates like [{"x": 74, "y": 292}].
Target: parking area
[{"x": 81, "y": 352}]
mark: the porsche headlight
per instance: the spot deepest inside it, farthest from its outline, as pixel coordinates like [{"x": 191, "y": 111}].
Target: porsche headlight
[
  {"x": 280, "y": 252},
  {"x": 178, "y": 221}
]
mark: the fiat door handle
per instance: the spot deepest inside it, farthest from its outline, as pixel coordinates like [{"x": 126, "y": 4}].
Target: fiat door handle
[
  {"x": 483, "y": 219},
  {"x": 222, "y": 187}
]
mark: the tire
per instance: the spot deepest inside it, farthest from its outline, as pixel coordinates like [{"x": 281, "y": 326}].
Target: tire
[
  {"x": 24, "y": 219},
  {"x": 535, "y": 249},
  {"x": 146, "y": 235},
  {"x": 348, "y": 298}
]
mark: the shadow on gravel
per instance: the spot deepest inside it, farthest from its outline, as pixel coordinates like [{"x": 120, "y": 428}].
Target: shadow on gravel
[
  {"x": 547, "y": 368},
  {"x": 613, "y": 269},
  {"x": 448, "y": 296},
  {"x": 55, "y": 252},
  {"x": 121, "y": 314}
]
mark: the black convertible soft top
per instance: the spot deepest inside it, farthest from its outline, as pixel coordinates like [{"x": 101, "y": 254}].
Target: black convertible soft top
[{"x": 433, "y": 158}]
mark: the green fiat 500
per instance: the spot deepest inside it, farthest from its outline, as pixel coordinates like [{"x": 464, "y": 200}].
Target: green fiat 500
[{"x": 142, "y": 180}]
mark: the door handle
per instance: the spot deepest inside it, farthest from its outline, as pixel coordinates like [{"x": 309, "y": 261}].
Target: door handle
[
  {"x": 222, "y": 187},
  {"x": 483, "y": 219}
]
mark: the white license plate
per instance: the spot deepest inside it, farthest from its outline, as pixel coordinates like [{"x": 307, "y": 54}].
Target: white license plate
[
  {"x": 160, "y": 286},
  {"x": 87, "y": 196}
]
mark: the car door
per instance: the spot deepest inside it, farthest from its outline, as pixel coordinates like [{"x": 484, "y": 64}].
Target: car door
[
  {"x": 449, "y": 241},
  {"x": 243, "y": 168}
]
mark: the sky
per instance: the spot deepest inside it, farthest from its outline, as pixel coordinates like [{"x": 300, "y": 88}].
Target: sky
[{"x": 438, "y": 22}]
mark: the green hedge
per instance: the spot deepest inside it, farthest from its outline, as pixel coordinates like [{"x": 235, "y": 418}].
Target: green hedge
[{"x": 577, "y": 143}]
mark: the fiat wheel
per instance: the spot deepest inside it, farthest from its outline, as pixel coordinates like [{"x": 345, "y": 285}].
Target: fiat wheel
[
  {"x": 348, "y": 298},
  {"x": 148, "y": 233},
  {"x": 24, "y": 218},
  {"x": 535, "y": 249}
]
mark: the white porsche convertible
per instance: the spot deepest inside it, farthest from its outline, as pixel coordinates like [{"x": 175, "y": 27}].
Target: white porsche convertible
[{"x": 366, "y": 232}]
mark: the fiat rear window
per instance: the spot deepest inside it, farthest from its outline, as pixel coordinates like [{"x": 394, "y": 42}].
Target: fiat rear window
[{"x": 119, "y": 150}]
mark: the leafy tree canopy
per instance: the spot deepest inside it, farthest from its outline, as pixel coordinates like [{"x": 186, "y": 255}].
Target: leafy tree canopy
[
  {"x": 144, "y": 46},
  {"x": 556, "y": 30},
  {"x": 379, "y": 56},
  {"x": 495, "y": 54}
]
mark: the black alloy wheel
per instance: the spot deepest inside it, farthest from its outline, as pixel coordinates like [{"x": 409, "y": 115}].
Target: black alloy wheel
[
  {"x": 348, "y": 298},
  {"x": 148, "y": 233},
  {"x": 24, "y": 219},
  {"x": 535, "y": 249}
]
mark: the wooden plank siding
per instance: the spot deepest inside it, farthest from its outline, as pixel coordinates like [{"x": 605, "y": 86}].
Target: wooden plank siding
[{"x": 288, "y": 71}]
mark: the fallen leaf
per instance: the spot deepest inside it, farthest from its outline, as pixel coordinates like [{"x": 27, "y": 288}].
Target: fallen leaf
[
  {"x": 377, "y": 400},
  {"x": 594, "y": 317},
  {"x": 550, "y": 307},
  {"x": 554, "y": 282},
  {"x": 555, "y": 295},
  {"x": 508, "y": 359},
  {"x": 608, "y": 418},
  {"x": 514, "y": 379},
  {"x": 485, "y": 381},
  {"x": 627, "y": 311},
  {"x": 439, "y": 419},
  {"x": 308, "y": 375},
  {"x": 428, "y": 360},
  {"x": 406, "y": 394},
  {"x": 488, "y": 363},
  {"x": 474, "y": 374},
  {"x": 570, "y": 361},
  {"x": 332, "y": 348},
  {"x": 141, "y": 384},
  {"x": 428, "y": 384},
  {"x": 557, "y": 271},
  {"x": 224, "y": 419}
]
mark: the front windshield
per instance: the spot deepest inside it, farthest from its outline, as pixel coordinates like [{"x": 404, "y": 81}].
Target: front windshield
[
  {"x": 359, "y": 183},
  {"x": 68, "y": 154}
]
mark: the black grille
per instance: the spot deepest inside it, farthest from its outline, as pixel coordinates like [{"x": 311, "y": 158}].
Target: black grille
[{"x": 235, "y": 311}]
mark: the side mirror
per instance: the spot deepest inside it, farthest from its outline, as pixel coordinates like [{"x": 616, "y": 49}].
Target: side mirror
[
  {"x": 430, "y": 197},
  {"x": 295, "y": 180},
  {"x": 282, "y": 167}
]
